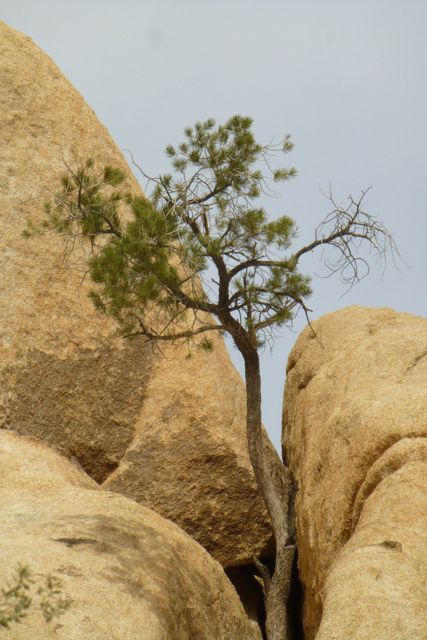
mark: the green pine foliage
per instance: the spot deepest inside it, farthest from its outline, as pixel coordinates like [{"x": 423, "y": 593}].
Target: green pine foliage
[
  {"x": 204, "y": 220},
  {"x": 146, "y": 251},
  {"x": 27, "y": 590}
]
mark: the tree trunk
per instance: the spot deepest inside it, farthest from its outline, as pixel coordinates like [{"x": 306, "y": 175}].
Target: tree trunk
[{"x": 275, "y": 485}]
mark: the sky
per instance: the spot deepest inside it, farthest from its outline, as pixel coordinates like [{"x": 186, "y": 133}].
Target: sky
[{"x": 347, "y": 80}]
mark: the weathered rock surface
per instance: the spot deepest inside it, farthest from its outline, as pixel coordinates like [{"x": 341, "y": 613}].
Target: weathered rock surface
[
  {"x": 355, "y": 429},
  {"x": 68, "y": 379},
  {"x": 186, "y": 460},
  {"x": 65, "y": 376},
  {"x": 131, "y": 574}
]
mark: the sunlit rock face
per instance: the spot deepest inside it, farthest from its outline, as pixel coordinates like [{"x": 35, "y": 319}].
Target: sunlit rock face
[
  {"x": 355, "y": 432},
  {"x": 166, "y": 429},
  {"x": 65, "y": 376},
  {"x": 129, "y": 572}
]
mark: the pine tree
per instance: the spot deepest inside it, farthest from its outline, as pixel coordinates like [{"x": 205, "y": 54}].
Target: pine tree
[{"x": 198, "y": 254}]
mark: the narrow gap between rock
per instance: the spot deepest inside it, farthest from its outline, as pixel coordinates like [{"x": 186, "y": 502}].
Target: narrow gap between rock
[
  {"x": 250, "y": 592},
  {"x": 295, "y": 604}
]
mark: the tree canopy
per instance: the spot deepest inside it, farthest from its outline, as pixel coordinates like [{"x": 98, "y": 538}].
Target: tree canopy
[{"x": 205, "y": 221}]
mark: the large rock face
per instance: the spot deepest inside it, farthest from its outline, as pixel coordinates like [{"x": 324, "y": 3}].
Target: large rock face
[
  {"x": 54, "y": 349},
  {"x": 186, "y": 459},
  {"x": 170, "y": 429},
  {"x": 355, "y": 430},
  {"x": 130, "y": 573}
]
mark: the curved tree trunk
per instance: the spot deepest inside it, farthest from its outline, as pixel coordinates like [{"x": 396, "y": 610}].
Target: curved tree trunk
[{"x": 275, "y": 485}]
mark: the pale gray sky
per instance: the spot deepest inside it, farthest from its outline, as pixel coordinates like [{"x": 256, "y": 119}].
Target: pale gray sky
[{"x": 347, "y": 79}]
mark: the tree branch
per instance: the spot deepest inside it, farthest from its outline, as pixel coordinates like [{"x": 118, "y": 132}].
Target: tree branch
[{"x": 155, "y": 336}]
